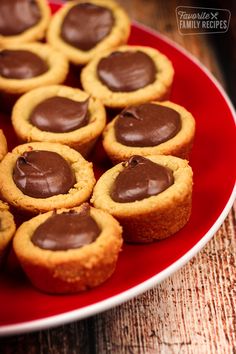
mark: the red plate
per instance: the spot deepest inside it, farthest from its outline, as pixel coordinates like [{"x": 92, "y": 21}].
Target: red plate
[{"x": 25, "y": 309}]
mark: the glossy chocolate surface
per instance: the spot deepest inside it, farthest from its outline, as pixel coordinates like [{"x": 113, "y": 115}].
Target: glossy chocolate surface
[
  {"x": 86, "y": 24},
  {"x": 60, "y": 115},
  {"x": 16, "y": 16},
  {"x": 42, "y": 174},
  {"x": 146, "y": 125},
  {"x": 140, "y": 179},
  {"x": 66, "y": 231},
  {"x": 126, "y": 71},
  {"x": 21, "y": 64}
]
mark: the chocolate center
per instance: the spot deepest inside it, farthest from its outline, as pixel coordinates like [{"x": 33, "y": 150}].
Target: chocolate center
[
  {"x": 42, "y": 174},
  {"x": 16, "y": 16},
  {"x": 60, "y": 115},
  {"x": 86, "y": 24},
  {"x": 140, "y": 179},
  {"x": 21, "y": 64},
  {"x": 126, "y": 71},
  {"x": 66, "y": 231},
  {"x": 146, "y": 125}
]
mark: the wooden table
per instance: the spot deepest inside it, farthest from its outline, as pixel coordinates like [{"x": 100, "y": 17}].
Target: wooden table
[{"x": 193, "y": 311}]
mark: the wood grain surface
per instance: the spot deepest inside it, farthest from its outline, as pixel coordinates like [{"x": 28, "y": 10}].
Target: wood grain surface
[{"x": 191, "y": 312}]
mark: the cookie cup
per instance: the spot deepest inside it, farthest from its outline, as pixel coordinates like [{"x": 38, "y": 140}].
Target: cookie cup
[
  {"x": 82, "y": 139},
  {"x": 180, "y": 145},
  {"x": 158, "y": 90},
  {"x": 118, "y": 35},
  {"x": 33, "y": 33},
  {"x": 3, "y": 145},
  {"x": 152, "y": 218},
  {"x": 80, "y": 192},
  {"x": 7, "y": 230},
  {"x": 57, "y": 69},
  {"x": 71, "y": 270}
]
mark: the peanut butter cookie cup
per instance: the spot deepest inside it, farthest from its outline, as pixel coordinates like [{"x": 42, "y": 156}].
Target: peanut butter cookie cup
[
  {"x": 81, "y": 29},
  {"x": 128, "y": 75},
  {"x": 7, "y": 229},
  {"x": 24, "y": 67},
  {"x": 23, "y": 21},
  {"x": 59, "y": 114},
  {"x": 69, "y": 250},
  {"x": 3, "y": 145},
  {"x": 150, "y": 196},
  {"x": 155, "y": 128},
  {"x": 39, "y": 177}
]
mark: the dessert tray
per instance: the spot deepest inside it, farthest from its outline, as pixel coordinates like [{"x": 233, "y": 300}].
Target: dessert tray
[{"x": 140, "y": 267}]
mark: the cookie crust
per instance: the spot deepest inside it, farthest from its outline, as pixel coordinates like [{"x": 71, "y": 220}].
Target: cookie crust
[
  {"x": 180, "y": 145},
  {"x": 118, "y": 35},
  {"x": 3, "y": 145},
  {"x": 81, "y": 139},
  {"x": 7, "y": 229},
  {"x": 152, "y": 218},
  {"x": 77, "y": 195},
  {"x": 158, "y": 90},
  {"x": 72, "y": 270}
]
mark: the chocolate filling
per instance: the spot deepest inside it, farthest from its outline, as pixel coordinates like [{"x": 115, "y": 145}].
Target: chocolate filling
[
  {"x": 140, "y": 179},
  {"x": 66, "y": 231},
  {"x": 126, "y": 71},
  {"x": 86, "y": 24},
  {"x": 21, "y": 64},
  {"x": 16, "y": 16},
  {"x": 146, "y": 125},
  {"x": 60, "y": 115},
  {"x": 42, "y": 174}
]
